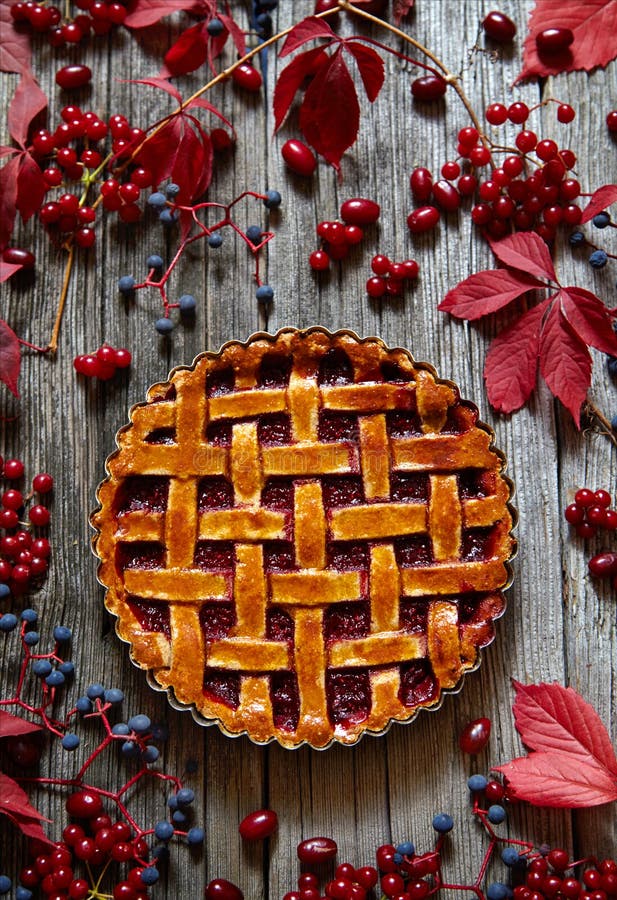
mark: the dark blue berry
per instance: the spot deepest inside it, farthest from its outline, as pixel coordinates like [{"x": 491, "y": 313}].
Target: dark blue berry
[
  {"x": 172, "y": 190},
  {"x": 95, "y": 691},
  {"x": 397, "y": 858},
  {"x": 273, "y": 200},
  {"x": 498, "y": 891},
  {"x": 150, "y": 754},
  {"x": 496, "y": 814},
  {"x": 215, "y": 27},
  {"x": 185, "y": 797},
  {"x": 30, "y": 616},
  {"x": 155, "y": 261},
  {"x": 114, "y": 695},
  {"x": 130, "y": 749},
  {"x": 254, "y": 233},
  {"x": 406, "y": 848},
  {"x": 67, "y": 668},
  {"x": 5, "y": 591},
  {"x": 23, "y": 893},
  {"x": 477, "y": 782},
  {"x": 443, "y": 823},
  {"x": 172, "y": 802},
  {"x": 161, "y": 852},
  {"x": 31, "y": 638},
  {"x": 598, "y": 259},
  {"x": 264, "y": 24},
  {"x": 126, "y": 284},
  {"x": 83, "y": 705},
  {"x": 164, "y": 831},
  {"x": 42, "y": 667},
  {"x": 178, "y": 817},
  {"x": 264, "y": 293},
  {"x": 55, "y": 679},
  {"x": 62, "y": 634},
  {"x": 510, "y": 856},
  {"x": 140, "y": 724},
  {"x": 150, "y": 875},
  {"x": 215, "y": 241},
  {"x": 157, "y": 200},
  {"x": 70, "y": 741},
  {"x": 187, "y": 303},
  {"x": 8, "y": 622},
  {"x": 164, "y": 326},
  {"x": 168, "y": 217},
  {"x": 577, "y": 238},
  {"x": 602, "y": 219},
  {"x": 196, "y": 836},
  {"x": 121, "y": 728},
  {"x": 5, "y": 884}
]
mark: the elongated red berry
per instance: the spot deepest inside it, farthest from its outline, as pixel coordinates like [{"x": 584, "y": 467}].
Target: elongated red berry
[
  {"x": 299, "y": 157},
  {"x": 498, "y": 27},
  {"x": 554, "y": 40},
  {"x": 258, "y": 825},
  {"x": 421, "y": 184},
  {"x": 317, "y": 850},
  {"x": 360, "y": 211},
  {"x": 248, "y": 77},
  {"x": 221, "y": 889},
  {"x": 18, "y": 257},
  {"x": 428, "y": 87},
  {"x": 423, "y": 219},
  {"x": 475, "y": 735},
  {"x": 604, "y": 565},
  {"x": 71, "y": 77},
  {"x": 446, "y": 196}
]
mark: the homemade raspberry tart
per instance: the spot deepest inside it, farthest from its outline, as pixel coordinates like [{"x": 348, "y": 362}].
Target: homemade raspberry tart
[{"x": 305, "y": 536}]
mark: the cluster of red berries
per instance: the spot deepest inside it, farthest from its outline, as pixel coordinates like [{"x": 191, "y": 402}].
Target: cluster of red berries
[
  {"x": 348, "y": 883},
  {"x": 547, "y": 877},
  {"x": 512, "y": 196},
  {"x": 591, "y": 510},
  {"x": 23, "y": 555},
  {"x": 94, "y": 16},
  {"x": 390, "y": 277},
  {"x": 338, "y": 237},
  {"x": 103, "y": 363}
]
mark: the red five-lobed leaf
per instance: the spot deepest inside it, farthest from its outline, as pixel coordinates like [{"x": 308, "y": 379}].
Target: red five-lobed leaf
[
  {"x": 189, "y": 52},
  {"x": 572, "y": 763},
  {"x": 10, "y": 357},
  {"x": 28, "y": 101},
  {"x": 486, "y": 292},
  {"x": 526, "y": 251},
  {"x": 370, "y": 66},
  {"x": 306, "y": 30},
  {"x": 589, "y": 318},
  {"x": 291, "y": 79},
  {"x": 604, "y": 197},
  {"x": 15, "y": 53},
  {"x": 147, "y": 12},
  {"x": 594, "y": 26},
  {"x": 565, "y": 362}
]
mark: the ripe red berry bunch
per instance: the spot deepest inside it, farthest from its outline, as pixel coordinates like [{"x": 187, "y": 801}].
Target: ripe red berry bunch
[
  {"x": 554, "y": 875},
  {"x": 591, "y": 510},
  {"x": 91, "y": 16},
  {"x": 390, "y": 277},
  {"x": 349, "y": 883},
  {"x": 339, "y": 236},
  {"x": 103, "y": 363},
  {"x": 24, "y": 546}
]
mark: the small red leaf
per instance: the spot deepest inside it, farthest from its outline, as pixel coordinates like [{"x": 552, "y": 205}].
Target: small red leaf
[
  {"x": 527, "y": 252},
  {"x": 237, "y": 35},
  {"x": 551, "y": 778},
  {"x": 10, "y": 358},
  {"x": 11, "y": 725},
  {"x": 15, "y": 51},
  {"x": 592, "y": 23},
  {"x": 189, "y": 52},
  {"x": 28, "y": 101},
  {"x": 192, "y": 168},
  {"x": 161, "y": 84},
  {"x": 601, "y": 199},
  {"x": 306, "y": 30},
  {"x": 31, "y": 187},
  {"x": 400, "y": 8},
  {"x": 7, "y": 270},
  {"x": 147, "y": 12},
  {"x": 8, "y": 198},
  {"x": 511, "y": 365},
  {"x": 14, "y": 801},
  {"x": 330, "y": 113},
  {"x": 370, "y": 66},
  {"x": 205, "y": 104},
  {"x": 589, "y": 318},
  {"x": 565, "y": 362},
  {"x": 486, "y": 292},
  {"x": 291, "y": 80}
]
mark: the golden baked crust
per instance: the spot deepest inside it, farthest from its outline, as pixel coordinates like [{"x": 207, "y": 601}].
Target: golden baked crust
[{"x": 305, "y": 536}]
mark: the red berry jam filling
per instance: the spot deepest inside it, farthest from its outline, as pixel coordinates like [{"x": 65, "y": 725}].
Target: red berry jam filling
[
  {"x": 274, "y": 429},
  {"x": 217, "y": 556},
  {"x": 412, "y": 487},
  {"x": 460, "y": 418},
  {"x": 220, "y": 382},
  {"x": 342, "y": 491},
  {"x": 412, "y": 616},
  {"x": 285, "y": 700},
  {"x": 151, "y": 615},
  {"x": 475, "y": 483},
  {"x": 335, "y": 426},
  {"x": 215, "y": 493},
  {"x": 222, "y": 686},
  {"x": 219, "y": 434},
  {"x": 274, "y": 371},
  {"x": 139, "y": 555},
  {"x": 413, "y": 550},
  {"x": 335, "y": 368},
  {"x": 143, "y": 492},
  {"x": 279, "y": 626},
  {"x": 345, "y": 621},
  {"x": 392, "y": 372},
  {"x": 477, "y": 544},
  {"x": 418, "y": 684},
  {"x": 348, "y": 555},
  {"x": 401, "y": 424},
  {"x": 278, "y": 493},
  {"x": 278, "y": 556},
  {"x": 216, "y": 620},
  {"x": 349, "y": 696},
  {"x": 162, "y": 436}
]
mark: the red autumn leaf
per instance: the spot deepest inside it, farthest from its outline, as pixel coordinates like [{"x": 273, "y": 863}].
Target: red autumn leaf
[
  {"x": 526, "y": 251},
  {"x": 589, "y": 318},
  {"x": 11, "y": 725},
  {"x": 370, "y": 66},
  {"x": 511, "y": 365},
  {"x": 565, "y": 362},
  {"x": 14, "y": 804},
  {"x": 291, "y": 79},
  {"x": 15, "y": 51},
  {"x": 400, "y": 8},
  {"x": 10, "y": 358},
  {"x": 554, "y": 779},
  {"x": 28, "y": 101},
  {"x": 161, "y": 84},
  {"x": 8, "y": 198},
  {"x": 177, "y": 151},
  {"x": 486, "y": 292},
  {"x": 306, "y": 30},
  {"x": 205, "y": 104},
  {"x": 147, "y": 12},
  {"x": 330, "y": 113},
  {"x": 31, "y": 187},
  {"x": 592, "y": 23},
  {"x": 600, "y": 200},
  {"x": 7, "y": 270},
  {"x": 189, "y": 52},
  {"x": 237, "y": 35}
]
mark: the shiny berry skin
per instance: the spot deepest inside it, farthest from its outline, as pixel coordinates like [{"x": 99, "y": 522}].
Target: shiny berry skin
[
  {"x": 611, "y": 121},
  {"x": 83, "y": 805},
  {"x": 299, "y": 157},
  {"x": 71, "y": 77},
  {"x": 428, "y": 87},
  {"x": 446, "y": 196},
  {"x": 496, "y": 114},
  {"x": 38, "y": 515},
  {"x": 546, "y": 150},
  {"x": 392, "y": 884},
  {"x": 385, "y": 858},
  {"x": 353, "y": 234},
  {"x": 584, "y": 497},
  {"x": 42, "y": 483},
  {"x": 423, "y": 219},
  {"x": 475, "y": 735},
  {"x": 603, "y": 565},
  {"x": 480, "y": 156},
  {"x": 518, "y": 113},
  {"x": 554, "y": 40},
  {"x": 221, "y": 889},
  {"x": 602, "y": 498},
  {"x": 565, "y": 113},
  {"x": 18, "y": 257},
  {"x": 247, "y": 77},
  {"x": 376, "y": 287},
  {"x": 421, "y": 184},
  {"x": 574, "y": 514},
  {"x": 316, "y": 850},
  {"x": 467, "y": 185},
  {"x": 468, "y": 136},
  {"x": 498, "y": 27},
  {"x": 319, "y": 261},
  {"x": 258, "y": 825},
  {"x": 450, "y": 170},
  {"x": 360, "y": 211}
]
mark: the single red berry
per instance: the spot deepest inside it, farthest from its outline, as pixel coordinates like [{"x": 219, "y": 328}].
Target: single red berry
[
  {"x": 610, "y": 519},
  {"x": 494, "y": 791},
  {"x": 411, "y": 269},
  {"x": 559, "y": 859},
  {"x": 258, "y": 825},
  {"x": 86, "y": 215},
  {"x": 72, "y": 33},
  {"x": 574, "y": 514},
  {"x": 513, "y": 166},
  {"x": 586, "y": 530},
  {"x": 52, "y": 176},
  {"x": 84, "y": 237},
  {"x": 423, "y": 219},
  {"x": 122, "y": 358},
  {"x": 498, "y": 27},
  {"x": 42, "y": 483},
  {"x": 18, "y": 257},
  {"x": 71, "y": 77},
  {"x": 299, "y": 157},
  {"x": 38, "y": 566},
  {"x": 450, "y": 170},
  {"x": 421, "y": 184},
  {"x": 584, "y": 497},
  {"x": 446, "y": 196},
  {"x": 376, "y": 287},
  {"x": 13, "y": 469},
  {"x": 496, "y": 114},
  {"x": 526, "y": 141},
  {"x": 481, "y": 214},
  {"x": 247, "y": 77},
  {"x": 129, "y": 191},
  {"x": 380, "y": 264},
  {"x": 8, "y": 518},
  {"x": 602, "y": 498},
  {"x": 611, "y": 121},
  {"x": 353, "y": 234},
  {"x": 468, "y": 136},
  {"x": 603, "y": 565},
  {"x": 475, "y": 735},
  {"x": 319, "y": 261},
  {"x": 221, "y": 889},
  {"x": 428, "y": 87},
  {"x": 565, "y": 113},
  {"x": 129, "y": 213},
  {"x": 546, "y": 150},
  {"x": 83, "y": 805},
  {"x": 467, "y": 185},
  {"x": 554, "y": 40},
  {"x": 79, "y": 889},
  {"x": 480, "y": 156},
  {"x": 385, "y": 858},
  {"x": 360, "y": 211},
  {"x": 489, "y": 190},
  {"x": 316, "y": 850}
]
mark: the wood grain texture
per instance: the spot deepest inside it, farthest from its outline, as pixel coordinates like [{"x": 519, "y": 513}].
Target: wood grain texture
[{"x": 559, "y": 625}]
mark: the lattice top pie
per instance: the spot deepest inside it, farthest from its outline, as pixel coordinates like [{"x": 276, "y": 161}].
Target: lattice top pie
[{"x": 305, "y": 536}]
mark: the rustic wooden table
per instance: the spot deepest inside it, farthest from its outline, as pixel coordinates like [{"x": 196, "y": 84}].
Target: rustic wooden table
[{"x": 559, "y": 624}]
